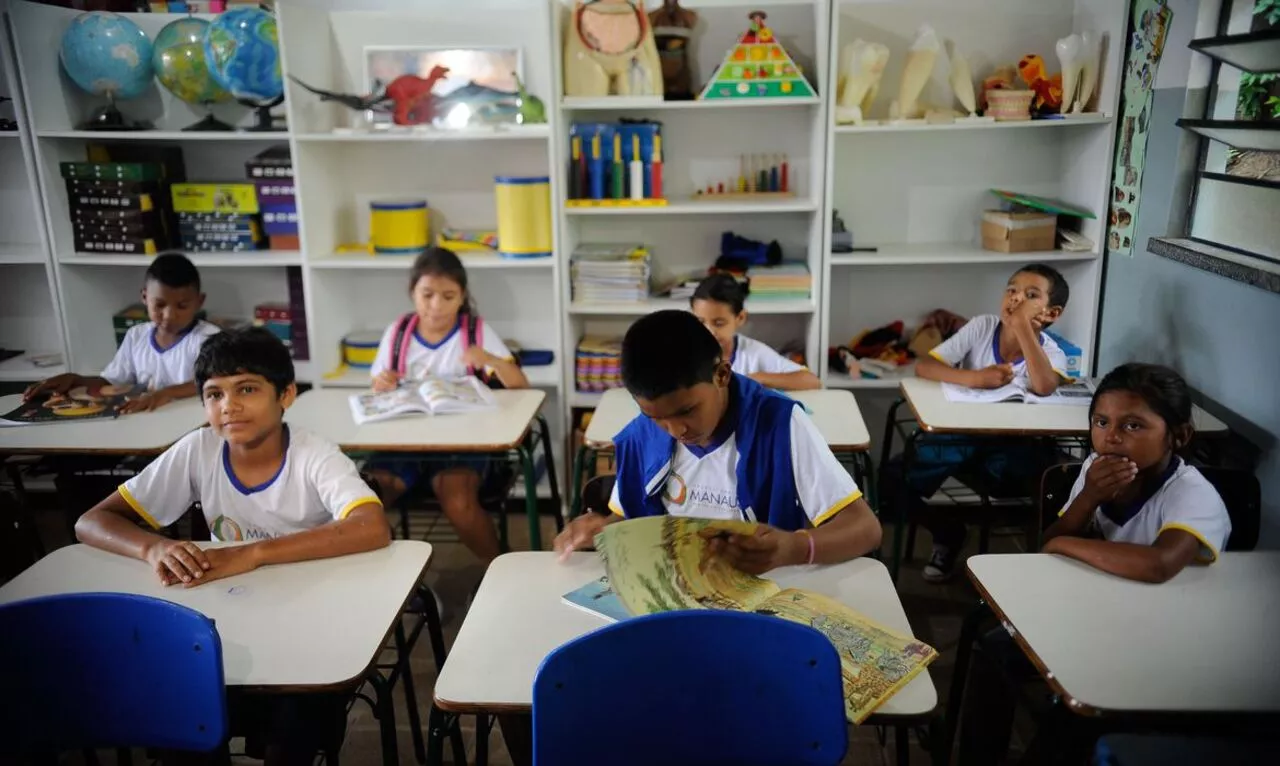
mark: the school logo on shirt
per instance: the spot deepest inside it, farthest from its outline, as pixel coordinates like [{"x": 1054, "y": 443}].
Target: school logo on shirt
[
  {"x": 675, "y": 489},
  {"x": 226, "y": 530}
]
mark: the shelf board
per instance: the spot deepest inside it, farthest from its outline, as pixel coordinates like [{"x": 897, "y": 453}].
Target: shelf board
[
  {"x": 584, "y": 399},
  {"x": 402, "y": 262},
  {"x": 20, "y": 252},
  {"x": 542, "y": 376},
  {"x": 949, "y": 253},
  {"x": 20, "y": 368},
  {"x": 263, "y": 258},
  {"x": 700, "y": 207},
  {"x": 1253, "y": 52},
  {"x": 1261, "y": 183},
  {"x": 502, "y": 133},
  {"x": 804, "y": 306},
  {"x": 1088, "y": 118},
  {"x": 842, "y": 380},
  {"x": 167, "y": 135},
  {"x": 1239, "y": 134},
  {"x": 9, "y": 133},
  {"x": 626, "y": 104}
]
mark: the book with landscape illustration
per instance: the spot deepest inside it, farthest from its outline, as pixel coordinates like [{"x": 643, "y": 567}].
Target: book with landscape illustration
[
  {"x": 663, "y": 563},
  {"x": 434, "y": 396},
  {"x": 100, "y": 400},
  {"x": 1078, "y": 392}
]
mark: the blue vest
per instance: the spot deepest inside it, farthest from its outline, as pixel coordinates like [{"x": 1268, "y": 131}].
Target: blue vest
[{"x": 762, "y": 433}]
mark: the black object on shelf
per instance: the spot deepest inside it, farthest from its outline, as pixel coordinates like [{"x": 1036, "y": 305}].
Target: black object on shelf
[
  {"x": 1253, "y": 52},
  {"x": 1241, "y": 134}
]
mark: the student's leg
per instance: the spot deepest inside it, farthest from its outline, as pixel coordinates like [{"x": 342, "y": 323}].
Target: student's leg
[
  {"x": 989, "y": 699},
  {"x": 517, "y": 733},
  {"x": 299, "y": 726},
  {"x": 457, "y": 487},
  {"x": 937, "y": 458}
]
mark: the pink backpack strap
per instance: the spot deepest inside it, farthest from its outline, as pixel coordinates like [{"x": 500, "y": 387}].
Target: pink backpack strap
[
  {"x": 405, "y": 327},
  {"x": 472, "y": 334}
]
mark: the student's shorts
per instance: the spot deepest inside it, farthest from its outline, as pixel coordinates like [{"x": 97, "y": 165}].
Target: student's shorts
[
  {"x": 414, "y": 472},
  {"x": 1002, "y": 469},
  {"x": 298, "y": 721}
]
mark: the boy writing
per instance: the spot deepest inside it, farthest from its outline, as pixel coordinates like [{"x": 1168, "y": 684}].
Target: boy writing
[
  {"x": 713, "y": 444},
  {"x": 158, "y": 354},
  {"x": 990, "y": 351}
]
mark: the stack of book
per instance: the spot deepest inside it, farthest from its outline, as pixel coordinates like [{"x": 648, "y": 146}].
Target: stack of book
[
  {"x": 300, "y": 345},
  {"x": 786, "y": 281},
  {"x": 120, "y": 207},
  {"x": 217, "y": 217},
  {"x": 598, "y": 363},
  {"x": 272, "y": 175},
  {"x": 277, "y": 318},
  {"x": 610, "y": 273}
]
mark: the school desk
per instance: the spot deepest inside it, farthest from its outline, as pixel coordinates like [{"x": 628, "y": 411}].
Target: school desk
[
  {"x": 517, "y": 618},
  {"x": 312, "y": 626},
  {"x": 835, "y": 413},
  {"x": 499, "y": 432},
  {"x": 1196, "y": 646},
  {"x": 139, "y": 433}
]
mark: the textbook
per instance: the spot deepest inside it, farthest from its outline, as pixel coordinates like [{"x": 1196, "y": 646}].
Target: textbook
[
  {"x": 662, "y": 563},
  {"x": 597, "y": 597},
  {"x": 80, "y": 403},
  {"x": 434, "y": 396},
  {"x": 1075, "y": 392}
]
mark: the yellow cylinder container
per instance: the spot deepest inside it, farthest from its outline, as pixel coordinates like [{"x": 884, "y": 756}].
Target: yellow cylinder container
[
  {"x": 524, "y": 216},
  {"x": 399, "y": 227},
  {"x": 360, "y": 348}
]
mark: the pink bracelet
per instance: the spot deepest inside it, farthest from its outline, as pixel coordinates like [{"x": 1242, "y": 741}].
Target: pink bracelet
[{"x": 812, "y": 549}]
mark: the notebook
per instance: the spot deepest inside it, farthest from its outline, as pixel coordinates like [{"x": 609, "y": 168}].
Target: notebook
[{"x": 598, "y": 598}]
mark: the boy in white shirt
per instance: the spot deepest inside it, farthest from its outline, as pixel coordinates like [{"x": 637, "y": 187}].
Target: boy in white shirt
[
  {"x": 158, "y": 354},
  {"x": 288, "y": 491},
  {"x": 711, "y": 443}
]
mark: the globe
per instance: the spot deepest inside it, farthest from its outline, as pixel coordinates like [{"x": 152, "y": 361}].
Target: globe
[
  {"x": 243, "y": 54},
  {"x": 180, "y": 64},
  {"x": 107, "y": 55}
]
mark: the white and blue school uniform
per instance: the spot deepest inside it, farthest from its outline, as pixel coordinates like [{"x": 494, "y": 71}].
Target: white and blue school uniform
[
  {"x": 316, "y": 484},
  {"x": 977, "y": 346},
  {"x": 768, "y": 463},
  {"x": 1183, "y": 499},
  {"x": 750, "y": 356},
  {"x": 141, "y": 361}
]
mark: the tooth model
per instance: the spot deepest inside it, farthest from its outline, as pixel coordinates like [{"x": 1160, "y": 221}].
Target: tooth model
[
  {"x": 861, "y": 67},
  {"x": 1091, "y": 59},
  {"x": 915, "y": 74},
  {"x": 1072, "y": 62},
  {"x": 962, "y": 81}
]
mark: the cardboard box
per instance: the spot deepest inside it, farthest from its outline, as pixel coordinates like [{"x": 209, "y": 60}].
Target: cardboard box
[
  {"x": 1018, "y": 232},
  {"x": 1075, "y": 357}
]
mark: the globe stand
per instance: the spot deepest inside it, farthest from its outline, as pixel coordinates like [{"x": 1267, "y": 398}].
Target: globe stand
[
  {"x": 262, "y": 120},
  {"x": 111, "y": 118},
  {"x": 209, "y": 124}
]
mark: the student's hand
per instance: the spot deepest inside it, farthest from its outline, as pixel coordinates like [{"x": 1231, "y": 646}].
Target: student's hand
[
  {"x": 227, "y": 562},
  {"x": 387, "y": 380},
  {"x": 476, "y": 357},
  {"x": 995, "y": 376},
  {"x": 579, "y": 534},
  {"x": 1107, "y": 477},
  {"x": 145, "y": 402},
  {"x": 769, "y": 548},
  {"x": 58, "y": 384},
  {"x": 1031, "y": 314},
  {"x": 176, "y": 561},
  {"x": 1055, "y": 545}
]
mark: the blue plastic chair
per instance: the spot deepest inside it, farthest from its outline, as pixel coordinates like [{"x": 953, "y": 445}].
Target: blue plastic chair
[
  {"x": 691, "y": 687},
  {"x": 90, "y": 670}
]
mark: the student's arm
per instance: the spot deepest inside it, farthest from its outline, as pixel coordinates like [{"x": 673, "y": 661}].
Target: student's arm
[
  {"x": 1156, "y": 563},
  {"x": 800, "y": 380},
  {"x": 1101, "y": 479},
  {"x": 943, "y": 363},
  {"x": 156, "y": 399},
  {"x": 112, "y": 525},
  {"x": 383, "y": 377},
  {"x": 495, "y": 355},
  {"x": 580, "y": 534},
  {"x": 1042, "y": 379}
]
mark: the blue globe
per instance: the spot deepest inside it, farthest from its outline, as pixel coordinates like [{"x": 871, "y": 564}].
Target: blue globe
[
  {"x": 107, "y": 55},
  {"x": 243, "y": 54}
]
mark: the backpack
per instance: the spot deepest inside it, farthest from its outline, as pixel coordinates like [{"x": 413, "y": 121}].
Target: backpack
[{"x": 473, "y": 334}]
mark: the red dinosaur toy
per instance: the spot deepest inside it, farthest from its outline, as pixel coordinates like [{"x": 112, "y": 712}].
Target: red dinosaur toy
[
  {"x": 1048, "y": 89},
  {"x": 408, "y": 98}
]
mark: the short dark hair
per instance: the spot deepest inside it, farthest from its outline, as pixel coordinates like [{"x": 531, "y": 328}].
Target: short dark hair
[
  {"x": 1059, "y": 292},
  {"x": 248, "y": 350},
  {"x": 441, "y": 262},
  {"x": 1163, "y": 390},
  {"x": 722, "y": 288},
  {"x": 666, "y": 351},
  {"x": 173, "y": 270}
]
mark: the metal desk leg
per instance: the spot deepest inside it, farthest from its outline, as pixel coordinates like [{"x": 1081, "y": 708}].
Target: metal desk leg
[
  {"x": 484, "y": 724},
  {"x": 575, "y": 492},
  {"x": 955, "y": 698},
  {"x": 384, "y": 709},
  {"x": 902, "y": 744},
  {"x": 410, "y": 696},
  {"x": 531, "y": 497},
  {"x": 552, "y": 476},
  {"x": 900, "y": 514},
  {"x": 436, "y": 726}
]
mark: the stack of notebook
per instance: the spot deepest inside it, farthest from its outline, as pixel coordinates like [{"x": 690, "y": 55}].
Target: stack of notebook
[{"x": 609, "y": 273}]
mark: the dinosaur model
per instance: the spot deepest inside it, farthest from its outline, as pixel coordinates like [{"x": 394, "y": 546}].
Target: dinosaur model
[{"x": 408, "y": 98}]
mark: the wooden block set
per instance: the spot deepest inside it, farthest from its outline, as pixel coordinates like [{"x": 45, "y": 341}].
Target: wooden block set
[
  {"x": 120, "y": 206},
  {"x": 760, "y": 175}
]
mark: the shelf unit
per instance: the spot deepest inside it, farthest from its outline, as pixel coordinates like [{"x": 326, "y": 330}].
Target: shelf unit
[
  {"x": 30, "y": 318},
  {"x": 910, "y": 190}
]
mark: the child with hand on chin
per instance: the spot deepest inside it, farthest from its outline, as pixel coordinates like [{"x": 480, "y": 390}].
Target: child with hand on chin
[{"x": 710, "y": 443}]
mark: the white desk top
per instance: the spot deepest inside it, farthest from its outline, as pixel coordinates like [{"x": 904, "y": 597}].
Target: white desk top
[
  {"x": 1198, "y": 643},
  {"x": 937, "y": 415},
  {"x": 327, "y": 412},
  {"x": 517, "y": 618},
  {"x": 141, "y": 433},
  {"x": 835, "y": 413},
  {"x": 314, "y": 624}
]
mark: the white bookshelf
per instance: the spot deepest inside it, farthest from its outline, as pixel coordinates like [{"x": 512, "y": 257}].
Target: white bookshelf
[
  {"x": 30, "y": 318},
  {"x": 915, "y": 192}
]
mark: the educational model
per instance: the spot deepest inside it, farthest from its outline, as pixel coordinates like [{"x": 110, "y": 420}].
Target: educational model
[
  {"x": 272, "y": 175},
  {"x": 757, "y": 67},
  {"x": 615, "y": 164},
  {"x": 118, "y": 199},
  {"x": 217, "y": 217}
]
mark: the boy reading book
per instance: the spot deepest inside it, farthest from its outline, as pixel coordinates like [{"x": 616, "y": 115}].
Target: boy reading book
[
  {"x": 292, "y": 495},
  {"x": 712, "y": 444}
]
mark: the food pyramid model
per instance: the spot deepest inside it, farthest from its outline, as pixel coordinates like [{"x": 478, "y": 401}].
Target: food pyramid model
[{"x": 757, "y": 67}]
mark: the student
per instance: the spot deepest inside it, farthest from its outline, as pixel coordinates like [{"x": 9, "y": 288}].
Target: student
[
  {"x": 1138, "y": 510},
  {"x": 158, "y": 354},
  {"x": 288, "y": 491},
  {"x": 714, "y": 444},
  {"x": 443, "y": 337},
  {"x": 718, "y": 304},
  {"x": 988, "y": 352}
]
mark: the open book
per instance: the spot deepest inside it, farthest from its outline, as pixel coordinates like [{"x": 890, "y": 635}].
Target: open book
[
  {"x": 662, "y": 563},
  {"x": 1075, "y": 392},
  {"x": 433, "y": 396},
  {"x": 80, "y": 403}
]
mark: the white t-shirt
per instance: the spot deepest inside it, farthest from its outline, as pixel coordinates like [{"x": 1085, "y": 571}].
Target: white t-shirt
[
  {"x": 1186, "y": 501},
  {"x": 703, "y": 484},
  {"x": 752, "y": 356},
  {"x": 976, "y": 345},
  {"x": 140, "y": 360},
  {"x": 316, "y": 484},
  {"x": 441, "y": 360}
]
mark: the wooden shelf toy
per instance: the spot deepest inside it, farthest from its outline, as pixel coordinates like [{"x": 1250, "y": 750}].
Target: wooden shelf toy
[{"x": 762, "y": 176}]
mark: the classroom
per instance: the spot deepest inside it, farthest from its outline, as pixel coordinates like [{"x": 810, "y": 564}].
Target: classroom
[{"x": 618, "y": 382}]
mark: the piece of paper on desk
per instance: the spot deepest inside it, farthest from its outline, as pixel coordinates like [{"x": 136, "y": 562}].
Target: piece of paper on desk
[
  {"x": 598, "y": 598},
  {"x": 434, "y": 396},
  {"x": 1075, "y": 392}
]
